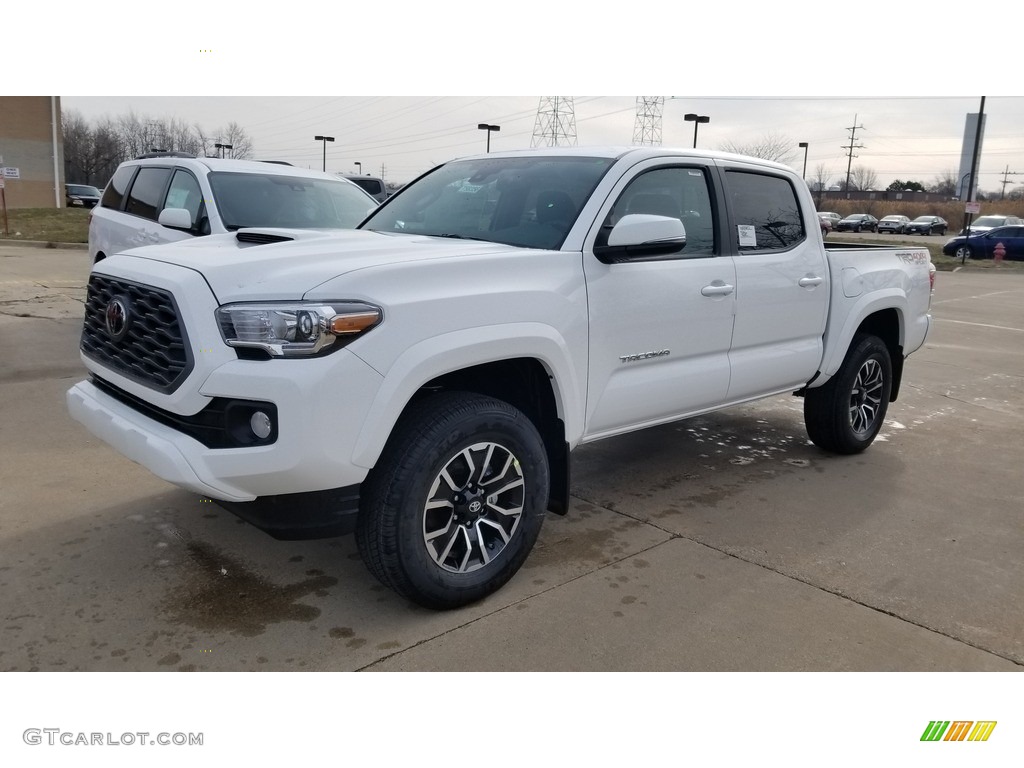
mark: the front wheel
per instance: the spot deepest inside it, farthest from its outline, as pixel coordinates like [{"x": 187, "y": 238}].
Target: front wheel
[
  {"x": 845, "y": 415},
  {"x": 456, "y": 502},
  {"x": 964, "y": 252}
]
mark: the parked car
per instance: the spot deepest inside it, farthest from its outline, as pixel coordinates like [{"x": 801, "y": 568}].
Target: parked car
[
  {"x": 983, "y": 245},
  {"x": 894, "y": 223},
  {"x": 826, "y": 224},
  {"x": 834, "y": 218},
  {"x": 927, "y": 225},
  {"x": 371, "y": 184},
  {"x": 166, "y": 197},
  {"x": 858, "y": 222},
  {"x": 81, "y": 196},
  {"x": 985, "y": 223}
]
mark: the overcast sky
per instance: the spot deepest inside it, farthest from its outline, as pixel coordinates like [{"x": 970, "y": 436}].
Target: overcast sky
[
  {"x": 909, "y": 138},
  {"x": 382, "y": 80}
]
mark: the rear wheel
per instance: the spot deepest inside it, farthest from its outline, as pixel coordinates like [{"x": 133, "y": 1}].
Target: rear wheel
[
  {"x": 456, "y": 502},
  {"x": 845, "y": 415}
]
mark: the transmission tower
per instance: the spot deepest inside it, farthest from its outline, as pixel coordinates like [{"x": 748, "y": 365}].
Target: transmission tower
[
  {"x": 556, "y": 123},
  {"x": 850, "y": 147},
  {"x": 647, "y": 128}
]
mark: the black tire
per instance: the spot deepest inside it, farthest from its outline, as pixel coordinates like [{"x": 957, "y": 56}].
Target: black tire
[
  {"x": 845, "y": 415},
  {"x": 964, "y": 252},
  {"x": 431, "y": 482}
]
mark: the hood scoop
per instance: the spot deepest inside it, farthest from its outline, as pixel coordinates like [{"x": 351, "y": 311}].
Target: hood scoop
[{"x": 254, "y": 236}]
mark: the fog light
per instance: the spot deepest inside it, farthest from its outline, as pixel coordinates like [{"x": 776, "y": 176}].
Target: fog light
[{"x": 260, "y": 425}]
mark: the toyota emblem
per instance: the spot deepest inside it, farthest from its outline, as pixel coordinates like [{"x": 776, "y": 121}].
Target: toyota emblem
[{"x": 117, "y": 318}]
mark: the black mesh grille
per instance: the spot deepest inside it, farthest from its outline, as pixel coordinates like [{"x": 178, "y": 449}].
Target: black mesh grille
[{"x": 152, "y": 349}]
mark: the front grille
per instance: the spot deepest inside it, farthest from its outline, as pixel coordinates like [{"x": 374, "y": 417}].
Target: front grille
[{"x": 152, "y": 348}]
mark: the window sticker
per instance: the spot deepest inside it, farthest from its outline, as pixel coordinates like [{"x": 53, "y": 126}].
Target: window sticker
[{"x": 748, "y": 239}]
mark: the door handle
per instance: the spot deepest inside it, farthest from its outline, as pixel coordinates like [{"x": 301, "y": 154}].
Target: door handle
[
  {"x": 810, "y": 282},
  {"x": 717, "y": 288}
]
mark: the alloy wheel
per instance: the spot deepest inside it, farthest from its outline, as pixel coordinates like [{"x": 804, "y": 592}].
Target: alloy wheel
[{"x": 474, "y": 507}]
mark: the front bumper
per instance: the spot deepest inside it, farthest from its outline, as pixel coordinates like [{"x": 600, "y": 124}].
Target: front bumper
[{"x": 320, "y": 404}]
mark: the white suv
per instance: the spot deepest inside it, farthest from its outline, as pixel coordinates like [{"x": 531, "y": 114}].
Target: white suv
[{"x": 164, "y": 197}]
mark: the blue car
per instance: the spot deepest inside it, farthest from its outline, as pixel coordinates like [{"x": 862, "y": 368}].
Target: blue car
[{"x": 983, "y": 245}]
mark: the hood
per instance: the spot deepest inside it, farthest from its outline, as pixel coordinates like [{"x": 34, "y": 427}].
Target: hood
[{"x": 239, "y": 271}]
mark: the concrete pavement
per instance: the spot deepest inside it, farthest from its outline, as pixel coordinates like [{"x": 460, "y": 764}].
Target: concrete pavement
[{"x": 720, "y": 543}]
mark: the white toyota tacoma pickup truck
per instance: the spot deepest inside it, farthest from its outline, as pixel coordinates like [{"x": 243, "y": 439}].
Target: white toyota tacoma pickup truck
[{"x": 421, "y": 380}]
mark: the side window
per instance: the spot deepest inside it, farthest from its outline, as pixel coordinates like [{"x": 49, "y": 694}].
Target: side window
[
  {"x": 766, "y": 211},
  {"x": 370, "y": 185},
  {"x": 678, "y": 192},
  {"x": 114, "y": 193},
  {"x": 147, "y": 192},
  {"x": 184, "y": 193}
]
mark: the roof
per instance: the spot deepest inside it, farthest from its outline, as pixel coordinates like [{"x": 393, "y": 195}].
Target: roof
[{"x": 636, "y": 153}]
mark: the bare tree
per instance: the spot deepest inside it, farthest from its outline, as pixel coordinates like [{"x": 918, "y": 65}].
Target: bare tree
[
  {"x": 93, "y": 154},
  {"x": 822, "y": 175},
  {"x": 945, "y": 183},
  {"x": 90, "y": 154},
  {"x": 863, "y": 178},
  {"x": 135, "y": 134},
  {"x": 78, "y": 148},
  {"x": 772, "y": 146},
  {"x": 235, "y": 137}
]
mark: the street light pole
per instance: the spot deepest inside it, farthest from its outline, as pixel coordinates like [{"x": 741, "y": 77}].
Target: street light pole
[
  {"x": 324, "y": 139},
  {"x": 803, "y": 145},
  {"x": 692, "y": 117},
  {"x": 359, "y": 168},
  {"x": 222, "y": 147},
  {"x": 488, "y": 128}
]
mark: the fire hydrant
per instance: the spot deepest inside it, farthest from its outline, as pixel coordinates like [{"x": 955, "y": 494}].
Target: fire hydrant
[{"x": 998, "y": 252}]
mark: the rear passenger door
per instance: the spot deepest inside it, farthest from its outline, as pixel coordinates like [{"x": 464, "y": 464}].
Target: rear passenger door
[{"x": 782, "y": 287}]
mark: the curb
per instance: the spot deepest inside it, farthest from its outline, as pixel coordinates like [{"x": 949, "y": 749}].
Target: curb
[{"x": 43, "y": 244}]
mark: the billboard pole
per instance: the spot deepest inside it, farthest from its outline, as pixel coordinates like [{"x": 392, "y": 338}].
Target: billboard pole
[{"x": 974, "y": 167}]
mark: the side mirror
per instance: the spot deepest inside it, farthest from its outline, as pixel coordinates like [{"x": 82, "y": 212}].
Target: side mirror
[
  {"x": 642, "y": 235},
  {"x": 175, "y": 218}
]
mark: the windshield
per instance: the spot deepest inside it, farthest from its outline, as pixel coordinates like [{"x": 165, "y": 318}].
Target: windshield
[
  {"x": 270, "y": 200},
  {"x": 82, "y": 190},
  {"x": 989, "y": 221},
  {"x": 528, "y": 201}
]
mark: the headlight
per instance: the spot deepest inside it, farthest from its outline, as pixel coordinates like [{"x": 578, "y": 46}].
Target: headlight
[{"x": 296, "y": 329}]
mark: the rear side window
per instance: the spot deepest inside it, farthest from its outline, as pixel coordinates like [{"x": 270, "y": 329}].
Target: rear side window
[
  {"x": 147, "y": 192},
  {"x": 114, "y": 193},
  {"x": 765, "y": 210},
  {"x": 370, "y": 185}
]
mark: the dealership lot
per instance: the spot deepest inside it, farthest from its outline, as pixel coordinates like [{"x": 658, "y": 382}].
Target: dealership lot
[{"x": 721, "y": 543}]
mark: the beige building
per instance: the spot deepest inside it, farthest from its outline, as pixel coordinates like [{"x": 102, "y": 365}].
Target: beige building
[{"x": 32, "y": 141}]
